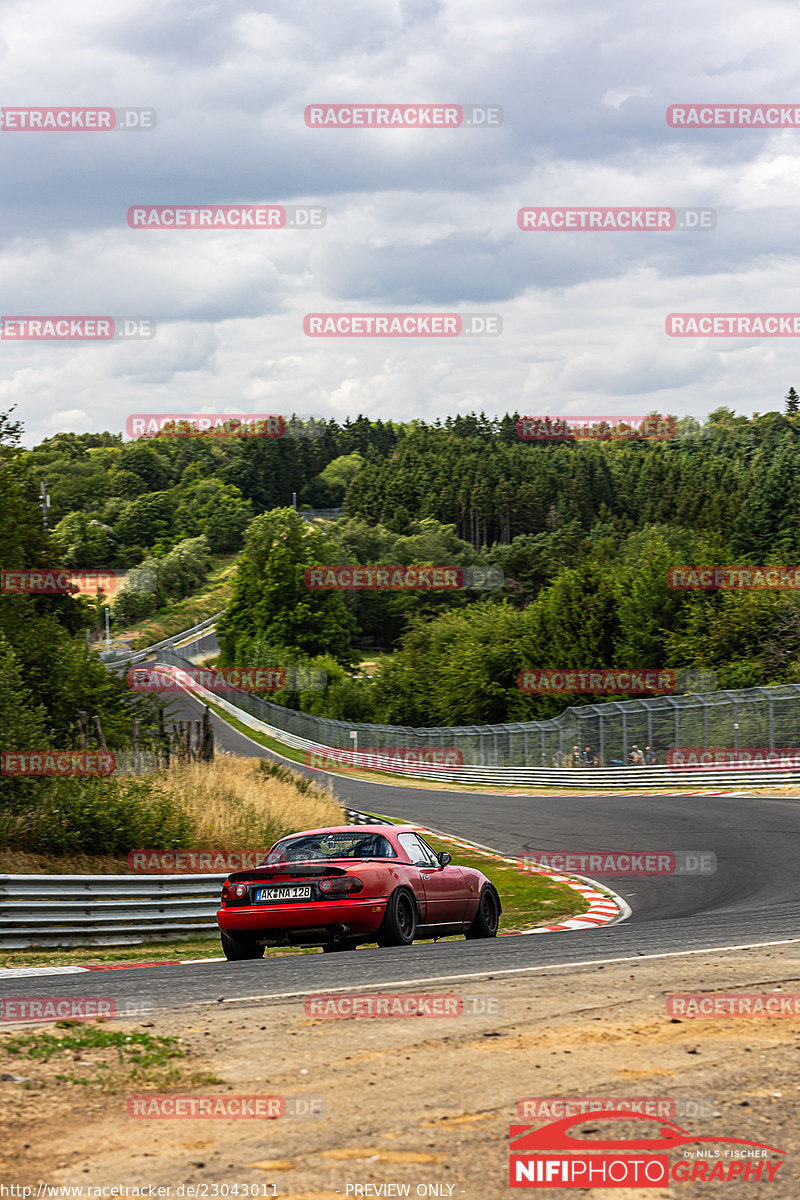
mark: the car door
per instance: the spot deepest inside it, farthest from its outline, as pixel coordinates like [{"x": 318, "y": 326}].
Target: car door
[{"x": 445, "y": 894}]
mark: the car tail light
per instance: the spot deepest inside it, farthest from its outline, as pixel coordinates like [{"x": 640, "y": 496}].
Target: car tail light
[
  {"x": 233, "y": 892},
  {"x": 341, "y": 886}
]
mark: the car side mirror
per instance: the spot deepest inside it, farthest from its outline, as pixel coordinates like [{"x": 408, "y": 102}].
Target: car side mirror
[{"x": 444, "y": 858}]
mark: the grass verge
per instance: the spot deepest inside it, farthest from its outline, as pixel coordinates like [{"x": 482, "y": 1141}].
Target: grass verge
[{"x": 92, "y": 1056}]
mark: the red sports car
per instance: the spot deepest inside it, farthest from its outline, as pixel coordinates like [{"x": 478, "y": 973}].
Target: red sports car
[{"x": 349, "y": 884}]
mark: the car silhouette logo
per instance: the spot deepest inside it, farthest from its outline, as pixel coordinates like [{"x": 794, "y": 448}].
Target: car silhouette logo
[{"x": 526, "y": 1139}]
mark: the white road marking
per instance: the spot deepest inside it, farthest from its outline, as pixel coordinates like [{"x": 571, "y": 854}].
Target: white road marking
[
  {"x": 489, "y": 973},
  {"x": 21, "y": 972}
]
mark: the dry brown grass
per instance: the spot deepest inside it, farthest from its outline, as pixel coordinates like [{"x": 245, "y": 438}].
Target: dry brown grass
[
  {"x": 23, "y": 862},
  {"x": 235, "y": 804}
]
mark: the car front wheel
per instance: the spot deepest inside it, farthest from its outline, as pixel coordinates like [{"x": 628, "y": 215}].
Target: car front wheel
[
  {"x": 238, "y": 946},
  {"x": 487, "y": 918},
  {"x": 399, "y": 924}
]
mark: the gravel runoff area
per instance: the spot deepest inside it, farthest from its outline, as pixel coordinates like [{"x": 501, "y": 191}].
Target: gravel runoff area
[{"x": 422, "y": 1101}]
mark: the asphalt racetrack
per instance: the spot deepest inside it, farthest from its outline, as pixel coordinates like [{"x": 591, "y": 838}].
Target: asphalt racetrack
[{"x": 753, "y": 898}]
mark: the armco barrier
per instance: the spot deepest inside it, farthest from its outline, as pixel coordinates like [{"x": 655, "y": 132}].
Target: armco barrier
[
  {"x": 112, "y": 910},
  {"x": 113, "y": 658},
  {"x": 97, "y": 910}
]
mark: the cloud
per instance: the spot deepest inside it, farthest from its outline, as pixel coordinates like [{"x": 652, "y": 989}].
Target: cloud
[{"x": 417, "y": 220}]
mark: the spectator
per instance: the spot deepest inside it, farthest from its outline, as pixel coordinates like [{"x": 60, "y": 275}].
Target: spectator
[
  {"x": 650, "y": 756},
  {"x": 577, "y": 760},
  {"x": 589, "y": 758},
  {"x": 558, "y": 759},
  {"x": 636, "y": 757}
]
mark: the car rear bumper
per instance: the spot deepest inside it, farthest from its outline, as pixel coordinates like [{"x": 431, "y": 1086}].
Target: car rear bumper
[{"x": 359, "y": 916}]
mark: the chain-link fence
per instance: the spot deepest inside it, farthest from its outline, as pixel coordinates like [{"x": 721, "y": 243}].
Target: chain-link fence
[{"x": 765, "y": 717}]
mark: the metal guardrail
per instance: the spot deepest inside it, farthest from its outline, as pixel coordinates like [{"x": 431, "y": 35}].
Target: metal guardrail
[
  {"x": 105, "y": 910},
  {"x": 114, "y": 657},
  {"x": 112, "y": 910}
]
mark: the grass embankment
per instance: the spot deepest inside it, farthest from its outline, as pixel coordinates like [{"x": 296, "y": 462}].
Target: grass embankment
[
  {"x": 213, "y": 596},
  {"x": 232, "y": 803}
]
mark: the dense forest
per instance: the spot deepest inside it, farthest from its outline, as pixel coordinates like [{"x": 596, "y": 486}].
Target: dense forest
[{"x": 583, "y": 532}]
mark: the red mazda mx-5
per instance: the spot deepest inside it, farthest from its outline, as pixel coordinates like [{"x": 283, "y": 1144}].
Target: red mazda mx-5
[{"x": 349, "y": 884}]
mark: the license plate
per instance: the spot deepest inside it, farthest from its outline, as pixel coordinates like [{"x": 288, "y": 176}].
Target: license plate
[{"x": 284, "y": 893}]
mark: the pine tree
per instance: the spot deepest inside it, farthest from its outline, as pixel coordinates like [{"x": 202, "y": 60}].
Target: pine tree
[{"x": 792, "y": 401}]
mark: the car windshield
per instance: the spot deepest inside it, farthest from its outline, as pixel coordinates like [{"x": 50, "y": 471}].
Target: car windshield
[{"x": 331, "y": 845}]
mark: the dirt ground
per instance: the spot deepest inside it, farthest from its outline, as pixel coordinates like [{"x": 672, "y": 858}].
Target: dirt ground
[{"x": 427, "y": 1101}]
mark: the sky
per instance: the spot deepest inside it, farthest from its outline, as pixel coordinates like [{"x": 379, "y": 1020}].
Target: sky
[{"x": 417, "y": 220}]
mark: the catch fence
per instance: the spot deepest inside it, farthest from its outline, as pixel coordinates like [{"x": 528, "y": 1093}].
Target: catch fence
[{"x": 763, "y": 717}]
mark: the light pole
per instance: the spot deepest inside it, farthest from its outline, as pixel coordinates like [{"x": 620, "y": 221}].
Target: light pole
[{"x": 45, "y": 501}]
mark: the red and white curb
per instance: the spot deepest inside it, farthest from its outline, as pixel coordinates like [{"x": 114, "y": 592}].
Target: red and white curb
[
  {"x": 22, "y": 972},
  {"x": 604, "y": 907}
]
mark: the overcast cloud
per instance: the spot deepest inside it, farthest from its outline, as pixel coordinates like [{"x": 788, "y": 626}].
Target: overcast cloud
[{"x": 417, "y": 220}]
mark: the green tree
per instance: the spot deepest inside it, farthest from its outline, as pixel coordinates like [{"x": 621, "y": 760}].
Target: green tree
[
  {"x": 84, "y": 542},
  {"x": 270, "y": 597},
  {"x": 217, "y": 510}
]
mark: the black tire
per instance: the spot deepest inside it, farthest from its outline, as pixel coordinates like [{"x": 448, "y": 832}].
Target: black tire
[
  {"x": 399, "y": 924},
  {"x": 236, "y": 946},
  {"x": 487, "y": 918},
  {"x": 334, "y": 947}
]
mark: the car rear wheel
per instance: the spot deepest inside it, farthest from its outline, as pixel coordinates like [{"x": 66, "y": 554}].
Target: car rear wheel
[
  {"x": 238, "y": 945},
  {"x": 487, "y": 918},
  {"x": 399, "y": 924}
]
